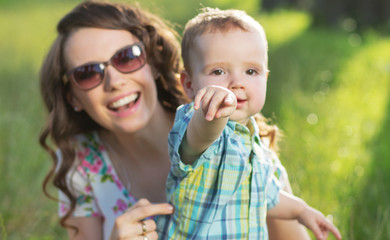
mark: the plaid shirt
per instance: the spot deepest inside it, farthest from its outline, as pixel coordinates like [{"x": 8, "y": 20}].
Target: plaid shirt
[{"x": 226, "y": 192}]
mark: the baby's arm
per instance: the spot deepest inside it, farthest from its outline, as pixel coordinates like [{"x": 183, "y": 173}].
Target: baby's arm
[
  {"x": 291, "y": 207},
  {"x": 213, "y": 105}
]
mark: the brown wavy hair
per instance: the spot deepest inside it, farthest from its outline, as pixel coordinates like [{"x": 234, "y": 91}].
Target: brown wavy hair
[
  {"x": 211, "y": 20},
  {"x": 163, "y": 53}
]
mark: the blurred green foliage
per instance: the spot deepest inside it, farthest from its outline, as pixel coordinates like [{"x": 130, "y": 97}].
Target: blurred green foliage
[{"x": 327, "y": 90}]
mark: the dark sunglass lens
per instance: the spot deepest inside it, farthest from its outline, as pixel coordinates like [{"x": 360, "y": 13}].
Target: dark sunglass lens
[
  {"x": 129, "y": 60},
  {"x": 89, "y": 76}
]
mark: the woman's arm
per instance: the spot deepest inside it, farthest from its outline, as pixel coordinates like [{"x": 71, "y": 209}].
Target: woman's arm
[{"x": 89, "y": 228}]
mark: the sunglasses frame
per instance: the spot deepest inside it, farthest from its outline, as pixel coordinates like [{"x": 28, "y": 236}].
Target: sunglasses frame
[{"x": 68, "y": 76}]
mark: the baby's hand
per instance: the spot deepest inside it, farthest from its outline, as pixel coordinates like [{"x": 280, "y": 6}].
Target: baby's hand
[
  {"x": 318, "y": 224},
  {"x": 215, "y": 102}
]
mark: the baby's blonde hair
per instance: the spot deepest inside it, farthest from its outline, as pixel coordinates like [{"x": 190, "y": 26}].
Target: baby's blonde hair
[{"x": 211, "y": 20}]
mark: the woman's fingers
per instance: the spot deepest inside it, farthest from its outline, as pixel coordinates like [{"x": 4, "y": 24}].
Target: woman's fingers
[
  {"x": 147, "y": 226},
  {"x": 132, "y": 225},
  {"x": 141, "y": 203},
  {"x": 147, "y": 229},
  {"x": 146, "y": 210},
  {"x": 149, "y": 236}
]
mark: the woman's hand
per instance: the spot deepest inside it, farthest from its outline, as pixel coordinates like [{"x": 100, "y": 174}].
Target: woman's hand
[{"x": 131, "y": 224}]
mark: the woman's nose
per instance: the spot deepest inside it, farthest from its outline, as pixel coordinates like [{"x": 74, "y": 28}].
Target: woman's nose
[{"x": 114, "y": 78}]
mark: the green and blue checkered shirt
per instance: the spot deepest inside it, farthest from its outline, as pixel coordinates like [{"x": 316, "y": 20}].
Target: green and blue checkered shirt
[{"x": 226, "y": 192}]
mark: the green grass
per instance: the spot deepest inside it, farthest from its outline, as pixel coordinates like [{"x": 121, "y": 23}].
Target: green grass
[
  {"x": 331, "y": 100},
  {"x": 328, "y": 94},
  {"x": 26, "y": 33}
]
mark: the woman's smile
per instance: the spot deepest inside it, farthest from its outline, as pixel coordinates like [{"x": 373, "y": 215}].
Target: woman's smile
[{"x": 124, "y": 103}]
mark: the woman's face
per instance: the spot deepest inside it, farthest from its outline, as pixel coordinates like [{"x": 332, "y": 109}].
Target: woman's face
[{"x": 123, "y": 102}]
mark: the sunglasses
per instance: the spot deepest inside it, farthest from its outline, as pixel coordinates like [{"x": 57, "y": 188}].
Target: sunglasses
[{"x": 126, "y": 60}]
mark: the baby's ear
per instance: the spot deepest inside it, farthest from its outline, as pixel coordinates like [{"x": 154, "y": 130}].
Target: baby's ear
[{"x": 186, "y": 82}]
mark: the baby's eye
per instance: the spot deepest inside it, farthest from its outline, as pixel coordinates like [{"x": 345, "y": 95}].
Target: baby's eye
[
  {"x": 251, "y": 72},
  {"x": 218, "y": 72}
]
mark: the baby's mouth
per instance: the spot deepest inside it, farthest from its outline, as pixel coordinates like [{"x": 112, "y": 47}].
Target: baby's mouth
[{"x": 124, "y": 103}]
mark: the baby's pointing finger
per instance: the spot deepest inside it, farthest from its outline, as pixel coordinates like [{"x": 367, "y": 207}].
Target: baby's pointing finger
[
  {"x": 198, "y": 98},
  {"x": 215, "y": 104}
]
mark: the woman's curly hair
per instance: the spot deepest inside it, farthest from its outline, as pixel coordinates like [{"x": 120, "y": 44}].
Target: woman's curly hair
[{"x": 163, "y": 54}]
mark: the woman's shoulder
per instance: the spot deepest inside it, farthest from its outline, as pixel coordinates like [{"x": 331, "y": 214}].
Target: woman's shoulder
[
  {"x": 89, "y": 153},
  {"x": 88, "y": 147},
  {"x": 83, "y": 145},
  {"x": 87, "y": 140}
]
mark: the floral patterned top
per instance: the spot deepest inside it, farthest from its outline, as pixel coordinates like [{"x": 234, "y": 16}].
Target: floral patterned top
[{"x": 97, "y": 186}]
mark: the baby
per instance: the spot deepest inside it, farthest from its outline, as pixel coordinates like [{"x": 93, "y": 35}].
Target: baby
[{"x": 222, "y": 181}]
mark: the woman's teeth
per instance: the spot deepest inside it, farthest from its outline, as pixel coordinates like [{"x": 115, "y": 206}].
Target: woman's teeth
[{"x": 124, "y": 101}]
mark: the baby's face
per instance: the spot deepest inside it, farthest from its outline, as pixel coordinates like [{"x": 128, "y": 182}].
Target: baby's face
[{"x": 235, "y": 60}]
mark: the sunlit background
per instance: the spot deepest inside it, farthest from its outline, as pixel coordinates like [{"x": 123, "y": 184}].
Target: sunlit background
[{"x": 328, "y": 91}]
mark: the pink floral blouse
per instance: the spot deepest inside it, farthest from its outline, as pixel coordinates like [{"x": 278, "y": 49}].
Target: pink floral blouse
[{"x": 96, "y": 184}]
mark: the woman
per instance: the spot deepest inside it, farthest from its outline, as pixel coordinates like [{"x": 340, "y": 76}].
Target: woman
[{"x": 109, "y": 84}]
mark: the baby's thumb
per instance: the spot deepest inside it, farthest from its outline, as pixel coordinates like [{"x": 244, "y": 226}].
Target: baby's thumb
[{"x": 230, "y": 99}]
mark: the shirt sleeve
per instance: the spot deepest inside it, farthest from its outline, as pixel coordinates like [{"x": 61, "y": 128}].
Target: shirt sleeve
[
  {"x": 279, "y": 171},
  {"x": 86, "y": 204},
  {"x": 273, "y": 192},
  {"x": 180, "y": 170},
  {"x": 175, "y": 138},
  {"x": 183, "y": 116}
]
